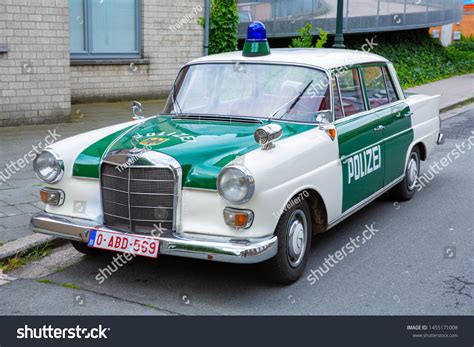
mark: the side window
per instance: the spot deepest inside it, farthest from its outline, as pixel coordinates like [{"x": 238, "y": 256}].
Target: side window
[
  {"x": 392, "y": 94},
  {"x": 338, "y": 111},
  {"x": 351, "y": 92},
  {"x": 375, "y": 86}
]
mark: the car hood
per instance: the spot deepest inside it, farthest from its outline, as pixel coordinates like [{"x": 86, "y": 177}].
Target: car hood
[{"x": 202, "y": 148}]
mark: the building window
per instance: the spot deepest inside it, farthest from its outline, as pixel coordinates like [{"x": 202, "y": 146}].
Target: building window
[{"x": 104, "y": 29}]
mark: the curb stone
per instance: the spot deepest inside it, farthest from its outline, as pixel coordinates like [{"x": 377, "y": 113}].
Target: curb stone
[{"x": 25, "y": 244}]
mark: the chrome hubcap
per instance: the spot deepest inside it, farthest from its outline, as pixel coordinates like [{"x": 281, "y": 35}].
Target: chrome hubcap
[
  {"x": 412, "y": 172},
  {"x": 297, "y": 230}
]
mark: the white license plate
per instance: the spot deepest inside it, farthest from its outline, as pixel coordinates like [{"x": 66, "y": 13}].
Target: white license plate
[{"x": 120, "y": 242}]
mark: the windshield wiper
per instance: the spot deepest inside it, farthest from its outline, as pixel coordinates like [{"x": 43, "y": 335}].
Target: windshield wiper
[{"x": 295, "y": 100}]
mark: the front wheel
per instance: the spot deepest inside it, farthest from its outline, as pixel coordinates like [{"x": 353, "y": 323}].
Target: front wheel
[
  {"x": 294, "y": 242},
  {"x": 85, "y": 249},
  {"x": 405, "y": 190}
]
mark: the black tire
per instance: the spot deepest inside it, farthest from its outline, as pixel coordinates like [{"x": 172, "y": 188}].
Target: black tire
[
  {"x": 284, "y": 267},
  {"x": 406, "y": 189},
  {"x": 84, "y": 249}
]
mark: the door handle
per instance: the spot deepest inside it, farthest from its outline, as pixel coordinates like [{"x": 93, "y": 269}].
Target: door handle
[
  {"x": 400, "y": 115},
  {"x": 379, "y": 128}
]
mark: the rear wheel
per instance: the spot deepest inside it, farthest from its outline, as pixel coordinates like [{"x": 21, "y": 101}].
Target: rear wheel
[
  {"x": 84, "y": 249},
  {"x": 406, "y": 189},
  {"x": 294, "y": 242}
]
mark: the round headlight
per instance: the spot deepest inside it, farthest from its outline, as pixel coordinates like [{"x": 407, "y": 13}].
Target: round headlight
[
  {"x": 48, "y": 167},
  {"x": 235, "y": 184}
]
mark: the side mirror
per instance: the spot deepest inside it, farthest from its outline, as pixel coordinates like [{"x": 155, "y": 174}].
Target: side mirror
[
  {"x": 324, "y": 117},
  {"x": 137, "y": 108}
]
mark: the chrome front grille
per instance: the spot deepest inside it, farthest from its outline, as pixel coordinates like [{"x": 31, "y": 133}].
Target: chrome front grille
[{"x": 138, "y": 199}]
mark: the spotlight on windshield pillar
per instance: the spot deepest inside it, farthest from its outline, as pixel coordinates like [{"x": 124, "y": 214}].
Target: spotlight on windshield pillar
[
  {"x": 266, "y": 134},
  {"x": 256, "y": 43}
]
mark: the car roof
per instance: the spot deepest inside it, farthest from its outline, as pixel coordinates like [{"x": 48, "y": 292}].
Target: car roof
[{"x": 325, "y": 58}]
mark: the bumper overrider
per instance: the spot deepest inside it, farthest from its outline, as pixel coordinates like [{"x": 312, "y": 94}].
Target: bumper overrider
[{"x": 222, "y": 249}]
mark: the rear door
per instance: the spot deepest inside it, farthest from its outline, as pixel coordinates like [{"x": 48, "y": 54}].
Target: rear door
[
  {"x": 360, "y": 137},
  {"x": 394, "y": 117}
]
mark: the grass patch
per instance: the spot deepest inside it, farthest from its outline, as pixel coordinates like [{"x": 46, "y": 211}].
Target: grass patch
[
  {"x": 70, "y": 286},
  {"x": 23, "y": 259},
  {"x": 45, "y": 281}
]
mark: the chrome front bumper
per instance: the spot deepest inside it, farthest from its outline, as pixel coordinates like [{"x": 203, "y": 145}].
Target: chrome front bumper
[{"x": 221, "y": 249}]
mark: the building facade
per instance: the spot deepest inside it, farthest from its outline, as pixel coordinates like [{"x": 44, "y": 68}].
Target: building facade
[
  {"x": 465, "y": 27},
  {"x": 283, "y": 18},
  {"x": 54, "y": 52}
]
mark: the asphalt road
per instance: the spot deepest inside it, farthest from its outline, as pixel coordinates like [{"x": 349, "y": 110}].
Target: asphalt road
[{"x": 418, "y": 263}]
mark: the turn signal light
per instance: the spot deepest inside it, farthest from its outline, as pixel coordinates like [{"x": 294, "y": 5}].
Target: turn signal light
[
  {"x": 52, "y": 196},
  {"x": 239, "y": 219},
  {"x": 330, "y": 130},
  {"x": 332, "y": 133}
]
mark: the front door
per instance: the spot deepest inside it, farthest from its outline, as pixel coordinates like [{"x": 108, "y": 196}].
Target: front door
[{"x": 360, "y": 136}]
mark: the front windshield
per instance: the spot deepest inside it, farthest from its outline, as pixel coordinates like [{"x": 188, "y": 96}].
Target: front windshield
[{"x": 251, "y": 90}]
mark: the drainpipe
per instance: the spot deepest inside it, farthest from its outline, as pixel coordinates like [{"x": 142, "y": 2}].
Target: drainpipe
[{"x": 207, "y": 11}]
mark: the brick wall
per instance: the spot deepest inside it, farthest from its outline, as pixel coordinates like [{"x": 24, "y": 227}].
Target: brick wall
[
  {"x": 35, "y": 72},
  {"x": 166, "y": 49}
]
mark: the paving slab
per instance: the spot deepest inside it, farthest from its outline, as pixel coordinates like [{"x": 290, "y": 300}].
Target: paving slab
[
  {"x": 15, "y": 221},
  {"x": 27, "y": 208},
  {"x": 20, "y": 199},
  {"x": 12, "y": 234},
  {"x": 8, "y": 211}
]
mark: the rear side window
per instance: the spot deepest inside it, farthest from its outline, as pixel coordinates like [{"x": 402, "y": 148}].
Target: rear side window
[
  {"x": 374, "y": 80},
  {"x": 392, "y": 95},
  {"x": 351, "y": 92}
]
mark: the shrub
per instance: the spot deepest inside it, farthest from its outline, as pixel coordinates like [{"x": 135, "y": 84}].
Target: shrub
[
  {"x": 305, "y": 39},
  {"x": 418, "y": 58},
  {"x": 224, "y": 21}
]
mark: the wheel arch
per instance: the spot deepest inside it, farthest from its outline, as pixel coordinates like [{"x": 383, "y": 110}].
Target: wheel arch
[
  {"x": 317, "y": 207},
  {"x": 422, "y": 148}
]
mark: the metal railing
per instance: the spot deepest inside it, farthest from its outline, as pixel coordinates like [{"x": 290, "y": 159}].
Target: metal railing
[{"x": 283, "y": 18}]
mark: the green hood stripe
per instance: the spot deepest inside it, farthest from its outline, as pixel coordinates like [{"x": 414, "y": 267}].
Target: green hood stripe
[
  {"x": 88, "y": 162},
  {"x": 202, "y": 148}
]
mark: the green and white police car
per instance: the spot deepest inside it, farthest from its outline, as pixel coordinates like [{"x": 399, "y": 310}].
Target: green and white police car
[{"x": 255, "y": 152}]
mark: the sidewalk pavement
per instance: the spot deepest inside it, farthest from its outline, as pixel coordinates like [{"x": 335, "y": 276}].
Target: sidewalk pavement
[
  {"x": 453, "y": 91},
  {"x": 19, "y": 195}
]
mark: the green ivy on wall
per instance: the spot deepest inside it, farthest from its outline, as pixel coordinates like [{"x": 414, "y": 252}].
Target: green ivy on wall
[{"x": 223, "y": 35}]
